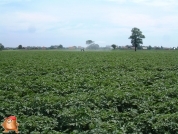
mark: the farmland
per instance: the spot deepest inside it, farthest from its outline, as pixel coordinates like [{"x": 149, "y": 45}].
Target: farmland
[{"x": 114, "y": 92}]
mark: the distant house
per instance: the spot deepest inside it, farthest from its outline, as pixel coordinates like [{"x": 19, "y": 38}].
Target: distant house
[
  {"x": 144, "y": 47},
  {"x": 73, "y": 47},
  {"x": 166, "y": 48},
  {"x": 44, "y": 48},
  {"x": 79, "y": 47},
  {"x": 124, "y": 47}
]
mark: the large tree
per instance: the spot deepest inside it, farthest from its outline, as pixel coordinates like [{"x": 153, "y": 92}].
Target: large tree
[
  {"x": 113, "y": 46},
  {"x": 60, "y": 46},
  {"x": 20, "y": 47},
  {"x": 1, "y": 46},
  {"x": 136, "y": 37},
  {"x": 93, "y": 46},
  {"x": 88, "y": 42}
]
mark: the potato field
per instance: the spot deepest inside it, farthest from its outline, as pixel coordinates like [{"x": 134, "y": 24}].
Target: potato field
[{"x": 104, "y": 92}]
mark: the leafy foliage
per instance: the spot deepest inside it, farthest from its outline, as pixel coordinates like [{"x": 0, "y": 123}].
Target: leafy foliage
[
  {"x": 113, "y": 46},
  {"x": 93, "y": 46},
  {"x": 61, "y": 92},
  {"x": 136, "y": 37},
  {"x": 1, "y": 47},
  {"x": 88, "y": 42},
  {"x": 20, "y": 47}
]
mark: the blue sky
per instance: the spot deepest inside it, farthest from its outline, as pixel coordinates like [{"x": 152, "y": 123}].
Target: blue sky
[{"x": 72, "y": 22}]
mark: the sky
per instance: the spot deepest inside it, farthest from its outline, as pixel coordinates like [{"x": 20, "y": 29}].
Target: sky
[{"x": 73, "y": 22}]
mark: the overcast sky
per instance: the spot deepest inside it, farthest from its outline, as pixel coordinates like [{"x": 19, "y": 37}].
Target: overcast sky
[{"x": 72, "y": 22}]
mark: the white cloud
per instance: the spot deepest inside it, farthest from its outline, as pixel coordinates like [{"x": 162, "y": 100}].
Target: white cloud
[
  {"x": 128, "y": 19},
  {"x": 163, "y": 24},
  {"x": 154, "y": 3},
  {"x": 2, "y": 2},
  {"x": 24, "y": 21},
  {"x": 120, "y": 1},
  {"x": 100, "y": 21},
  {"x": 157, "y": 3},
  {"x": 35, "y": 17}
]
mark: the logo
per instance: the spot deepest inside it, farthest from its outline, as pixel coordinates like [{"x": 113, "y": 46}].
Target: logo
[{"x": 10, "y": 124}]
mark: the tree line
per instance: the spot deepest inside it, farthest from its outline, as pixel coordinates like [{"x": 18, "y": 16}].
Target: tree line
[
  {"x": 1, "y": 46},
  {"x": 136, "y": 39}
]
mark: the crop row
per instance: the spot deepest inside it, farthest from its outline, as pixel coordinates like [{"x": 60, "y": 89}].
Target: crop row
[{"x": 90, "y": 92}]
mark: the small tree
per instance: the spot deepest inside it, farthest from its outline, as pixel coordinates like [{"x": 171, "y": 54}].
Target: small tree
[
  {"x": 113, "y": 46},
  {"x": 93, "y": 46},
  {"x": 60, "y": 46},
  {"x": 88, "y": 42},
  {"x": 149, "y": 47},
  {"x": 136, "y": 37},
  {"x": 20, "y": 47},
  {"x": 1, "y": 46}
]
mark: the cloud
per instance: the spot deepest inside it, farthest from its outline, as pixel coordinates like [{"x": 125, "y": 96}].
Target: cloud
[
  {"x": 35, "y": 17},
  {"x": 31, "y": 29},
  {"x": 3, "y": 2},
  {"x": 163, "y": 24},
  {"x": 100, "y": 20},
  {"x": 153, "y": 3},
  {"x": 120, "y": 1},
  {"x": 27, "y": 21},
  {"x": 129, "y": 19},
  {"x": 157, "y": 3}
]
